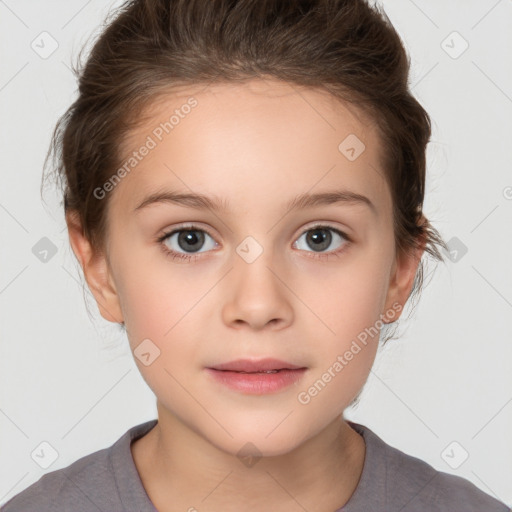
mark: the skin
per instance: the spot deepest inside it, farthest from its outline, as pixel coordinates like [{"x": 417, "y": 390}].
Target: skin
[{"x": 256, "y": 145}]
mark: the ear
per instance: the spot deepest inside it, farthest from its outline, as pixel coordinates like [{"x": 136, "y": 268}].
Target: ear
[
  {"x": 402, "y": 277},
  {"x": 96, "y": 271}
]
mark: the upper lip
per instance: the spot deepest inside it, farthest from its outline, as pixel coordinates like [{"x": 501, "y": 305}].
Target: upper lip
[{"x": 255, "y": 365}]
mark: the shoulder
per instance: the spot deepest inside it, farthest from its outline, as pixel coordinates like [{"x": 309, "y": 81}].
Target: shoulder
[
  {"x": 83, "y": 485},
  {"x": 433, "y": 490},
  {"x": 407, "y": 483},
  {"x": 104, "y": 480}
]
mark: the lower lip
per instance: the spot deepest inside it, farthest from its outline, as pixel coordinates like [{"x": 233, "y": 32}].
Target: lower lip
[{"x": 257, "y": 383}]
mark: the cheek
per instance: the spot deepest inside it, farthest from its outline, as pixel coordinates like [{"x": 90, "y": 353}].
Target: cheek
[
  {"x": 347, "y": 322},
  {"x": 161, "y": 315},
  {"x": 157, "y": 295},
  {"x": 345, "y": 299},
  {"x": 345, "y": 350},
  {"x": 165, "y": 312}
]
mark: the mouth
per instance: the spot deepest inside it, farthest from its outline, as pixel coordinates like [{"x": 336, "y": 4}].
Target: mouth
[{"x": 257, "y": 377}]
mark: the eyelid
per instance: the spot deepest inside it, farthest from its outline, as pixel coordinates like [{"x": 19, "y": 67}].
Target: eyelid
[
  {"x": 326, "y": 224},
  {"x": 192, "y": 226}
]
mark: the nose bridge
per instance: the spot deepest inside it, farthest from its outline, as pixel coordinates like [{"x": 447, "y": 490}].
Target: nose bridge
[{"x": 254, "y": 266}]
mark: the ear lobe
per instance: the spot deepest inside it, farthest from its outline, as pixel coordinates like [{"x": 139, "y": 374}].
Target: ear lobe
[{"x": 96, "y": 271}]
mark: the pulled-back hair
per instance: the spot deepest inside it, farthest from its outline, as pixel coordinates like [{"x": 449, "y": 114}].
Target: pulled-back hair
[{"x": 347, "y": 48}]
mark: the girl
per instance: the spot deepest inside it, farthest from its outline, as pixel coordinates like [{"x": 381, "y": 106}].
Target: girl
[{"x": 244, "y": 182}]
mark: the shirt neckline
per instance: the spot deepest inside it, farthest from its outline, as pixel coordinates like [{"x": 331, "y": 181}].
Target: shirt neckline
[
  {"x": 371, "y": 477},
  {"x": 132, "y": 493}
]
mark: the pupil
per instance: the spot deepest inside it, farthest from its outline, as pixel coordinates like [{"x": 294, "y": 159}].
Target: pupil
[
  {"x": 192, "y": 238},
  {"x": 320, "y": 241}
]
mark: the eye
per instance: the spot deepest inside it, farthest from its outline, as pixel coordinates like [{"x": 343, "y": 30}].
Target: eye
[
  {"x": 319, "y": 238},
  {"x": 187, "y": 238}
]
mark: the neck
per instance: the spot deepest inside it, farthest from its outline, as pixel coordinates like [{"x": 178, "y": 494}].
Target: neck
[{"x": 181, "y": 469}]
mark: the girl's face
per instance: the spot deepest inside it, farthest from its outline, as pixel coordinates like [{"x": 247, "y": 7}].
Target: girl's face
[{"x": 260, "y": 281}]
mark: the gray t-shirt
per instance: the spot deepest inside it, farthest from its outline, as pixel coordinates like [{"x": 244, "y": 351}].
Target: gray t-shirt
[{"x": 107, "y": 480}]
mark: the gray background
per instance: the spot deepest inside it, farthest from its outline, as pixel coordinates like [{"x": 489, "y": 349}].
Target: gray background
[{"x": 73, "y": 383}]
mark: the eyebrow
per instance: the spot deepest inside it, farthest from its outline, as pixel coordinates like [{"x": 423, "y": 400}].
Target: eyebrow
[{"x": 214, "y": 203}]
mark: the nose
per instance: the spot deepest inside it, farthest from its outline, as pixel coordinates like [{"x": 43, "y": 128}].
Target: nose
[{"x": 257, "y": 296}]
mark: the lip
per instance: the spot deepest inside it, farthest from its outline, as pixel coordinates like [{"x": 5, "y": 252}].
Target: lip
[
  {"x": 251, "y": 381},
  {"x": 256, "y": 383},
  {"x": 255, "y": 365}
]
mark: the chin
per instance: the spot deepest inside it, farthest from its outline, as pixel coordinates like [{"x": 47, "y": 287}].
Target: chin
[{"x": 253, "y": 440}]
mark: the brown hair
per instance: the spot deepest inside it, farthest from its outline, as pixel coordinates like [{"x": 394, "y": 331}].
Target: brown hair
[{"x": 345, "y": 47}]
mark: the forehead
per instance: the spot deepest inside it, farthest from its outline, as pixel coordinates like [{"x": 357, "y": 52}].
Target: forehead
[{"x": 258, "y": 136}]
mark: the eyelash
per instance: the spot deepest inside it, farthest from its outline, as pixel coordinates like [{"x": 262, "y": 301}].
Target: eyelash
[{"x": 192, "y": 257}]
